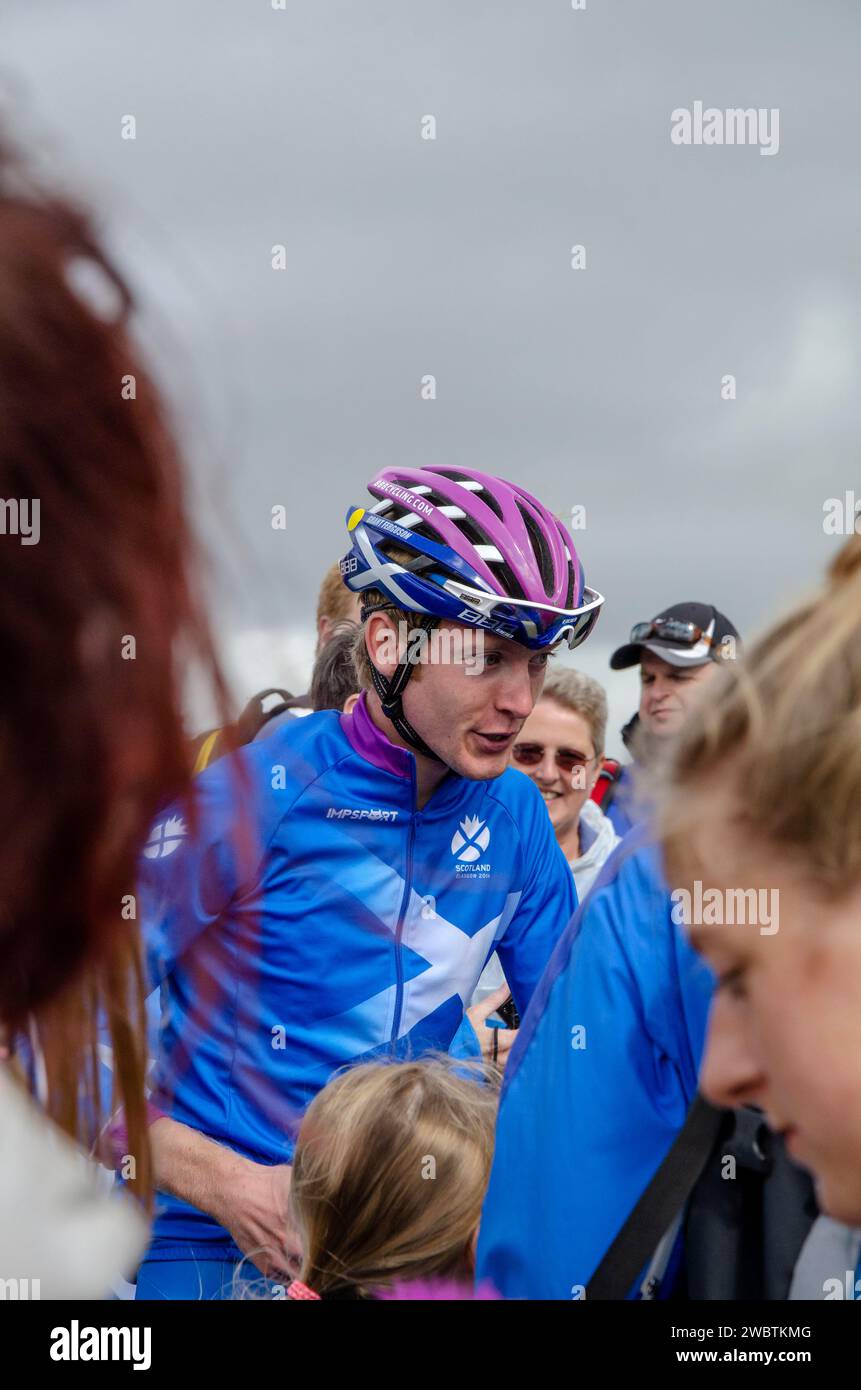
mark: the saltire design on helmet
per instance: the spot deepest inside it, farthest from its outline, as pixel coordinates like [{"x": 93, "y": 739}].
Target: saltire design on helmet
[{"x": 483, "y": 552}]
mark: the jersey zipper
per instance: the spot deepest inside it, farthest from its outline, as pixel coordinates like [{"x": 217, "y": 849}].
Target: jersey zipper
[{"x": 415, "y": 817}]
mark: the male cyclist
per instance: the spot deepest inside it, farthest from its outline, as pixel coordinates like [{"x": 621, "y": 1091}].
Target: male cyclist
[{"x": 345, "y": 880}]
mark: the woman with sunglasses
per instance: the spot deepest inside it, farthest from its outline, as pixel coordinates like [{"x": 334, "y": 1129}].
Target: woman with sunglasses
[{"x": 560, "y": 748}]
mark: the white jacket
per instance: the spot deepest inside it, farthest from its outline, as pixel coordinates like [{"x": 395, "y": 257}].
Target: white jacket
[
  {"x": 598, "y": 835},
  {"x": 61, "y": 1234}
]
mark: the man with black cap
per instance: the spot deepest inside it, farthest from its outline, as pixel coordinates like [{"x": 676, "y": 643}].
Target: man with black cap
[{"x": 677, "y": 651}]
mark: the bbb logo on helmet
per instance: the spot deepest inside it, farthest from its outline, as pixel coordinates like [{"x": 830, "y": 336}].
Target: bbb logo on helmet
[{"x": 492, "y": 624}]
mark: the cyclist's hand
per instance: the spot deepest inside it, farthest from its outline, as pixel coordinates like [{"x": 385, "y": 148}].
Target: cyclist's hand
[
  {"x": 504, "y": 1037},
  {"x": 252, "y": 1206}
]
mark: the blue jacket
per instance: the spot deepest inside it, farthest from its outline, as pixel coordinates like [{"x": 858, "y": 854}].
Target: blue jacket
[
  {"x": 621, "y": 812},
  {"x": 334, "y": 923},
  {"x": 597, "y": 1086}
]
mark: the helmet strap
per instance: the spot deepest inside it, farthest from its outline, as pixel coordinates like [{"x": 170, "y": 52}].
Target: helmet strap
[{"x": 391, "y": 689}]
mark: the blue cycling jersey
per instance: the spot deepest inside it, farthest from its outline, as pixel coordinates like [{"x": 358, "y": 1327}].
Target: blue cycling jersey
[{"x": 329, "y": 921}]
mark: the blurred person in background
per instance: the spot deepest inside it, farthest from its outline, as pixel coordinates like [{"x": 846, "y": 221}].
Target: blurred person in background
[
  {"x": 676, "y": 651},
  {"x": 560, "y": 747},
  {"x": 597, "y": 1120},
  {"x": 335, "y": 680},
  {"x": 95, "y": 574},
  {"x": 765, "y": 792},
  {"x": 337, "y": 610},
  {"x": 336, "y": 605}
]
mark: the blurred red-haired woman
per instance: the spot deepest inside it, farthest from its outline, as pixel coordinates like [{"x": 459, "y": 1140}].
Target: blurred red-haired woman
[{"x": 97, "y": 606}]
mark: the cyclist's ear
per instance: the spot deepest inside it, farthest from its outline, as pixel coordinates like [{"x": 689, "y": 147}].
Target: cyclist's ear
[{"x": 382, "y": 642}]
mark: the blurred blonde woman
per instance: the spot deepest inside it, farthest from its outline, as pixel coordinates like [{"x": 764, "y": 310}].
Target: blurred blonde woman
[
  {"x": 389, "y": 1176},
  {"x": 766, "y": 796}
]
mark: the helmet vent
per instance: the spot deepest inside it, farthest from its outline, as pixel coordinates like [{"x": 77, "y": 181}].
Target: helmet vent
[
  {"x": 481, "y": 492},
  {"x": 569, "y": 592},
  {"x": 539, "y": 548},
  {"x": 490, "y": 501}
]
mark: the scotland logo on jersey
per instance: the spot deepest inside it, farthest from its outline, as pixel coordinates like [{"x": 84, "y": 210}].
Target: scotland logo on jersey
[
  {"x": 165, "y": 838},
  {"x": 469, "y": 843}
]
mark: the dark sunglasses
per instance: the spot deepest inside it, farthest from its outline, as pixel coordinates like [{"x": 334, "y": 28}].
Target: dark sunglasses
[
  {"x": 531, "y": 754},
  {"x": 670, "y": 630}
]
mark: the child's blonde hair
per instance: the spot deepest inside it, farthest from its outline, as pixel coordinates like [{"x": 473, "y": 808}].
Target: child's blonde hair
[
  {"x": 389, "y": 1175},
  {"x": 783, "y": 732}
]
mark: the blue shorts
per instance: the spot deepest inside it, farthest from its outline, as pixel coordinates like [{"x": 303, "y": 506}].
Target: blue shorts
[{"x": 196, "y": 1279}]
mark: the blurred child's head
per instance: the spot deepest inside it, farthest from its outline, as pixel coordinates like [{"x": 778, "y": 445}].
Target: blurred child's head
[{"x": 389, "y": 1175}]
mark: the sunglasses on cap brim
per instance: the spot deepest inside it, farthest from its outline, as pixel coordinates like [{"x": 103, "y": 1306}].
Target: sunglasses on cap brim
[{"x": 680, "y": 633}]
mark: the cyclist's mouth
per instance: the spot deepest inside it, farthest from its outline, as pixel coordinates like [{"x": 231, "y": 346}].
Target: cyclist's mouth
[{"x": 493, "y": 743}]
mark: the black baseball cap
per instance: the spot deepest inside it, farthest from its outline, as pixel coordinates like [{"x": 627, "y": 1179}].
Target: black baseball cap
[{"x": 665, "y": 636}]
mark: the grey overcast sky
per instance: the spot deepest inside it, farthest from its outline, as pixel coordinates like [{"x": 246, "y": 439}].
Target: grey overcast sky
[{"x": 598, "y": 387}]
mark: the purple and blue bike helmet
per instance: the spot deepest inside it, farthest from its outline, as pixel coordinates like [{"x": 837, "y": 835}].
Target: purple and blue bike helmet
[{"x": 482, "y": 552}]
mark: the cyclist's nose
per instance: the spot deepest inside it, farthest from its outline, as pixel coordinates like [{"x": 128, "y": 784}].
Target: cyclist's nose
[{"x": 516, "y": 696}]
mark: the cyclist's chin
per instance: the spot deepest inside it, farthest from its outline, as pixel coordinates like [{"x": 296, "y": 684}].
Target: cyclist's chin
[{"x": 478, "y": 764}]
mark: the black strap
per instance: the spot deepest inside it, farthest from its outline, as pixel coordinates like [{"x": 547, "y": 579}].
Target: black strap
[
  {"x": 391, "y": 691},
  {"x": 662, "y": 1200},
  {"x": 254, "y": 716}
]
